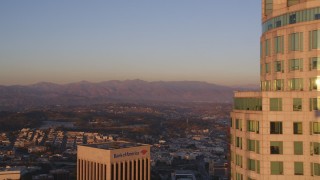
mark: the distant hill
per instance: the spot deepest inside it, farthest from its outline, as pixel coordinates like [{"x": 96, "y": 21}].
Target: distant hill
[{"x": 86, "y": 93}]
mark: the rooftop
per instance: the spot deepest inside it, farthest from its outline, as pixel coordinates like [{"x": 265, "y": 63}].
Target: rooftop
[
  {"x": 115, "y": 145},
  {"x": 183, "y": 175}
]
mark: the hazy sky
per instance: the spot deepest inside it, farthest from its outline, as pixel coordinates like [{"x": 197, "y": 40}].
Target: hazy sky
[{"x": 72, "y": 40}]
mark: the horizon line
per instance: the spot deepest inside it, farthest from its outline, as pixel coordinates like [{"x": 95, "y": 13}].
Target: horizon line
[{"x": 137, "y": 79}]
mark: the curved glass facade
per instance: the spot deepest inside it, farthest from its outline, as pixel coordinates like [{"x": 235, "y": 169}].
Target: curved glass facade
[
  {"x": 291, "y": 18},
  {"x": 276, "y": 131}
]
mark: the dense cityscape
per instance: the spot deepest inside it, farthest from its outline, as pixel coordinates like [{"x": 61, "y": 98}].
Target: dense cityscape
[
  {"x": 207, "y": 120},
  {"x": 183, "y": 136}
]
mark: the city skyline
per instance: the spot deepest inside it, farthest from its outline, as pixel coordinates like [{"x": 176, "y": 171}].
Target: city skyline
[{"x": 63, "y": 42}]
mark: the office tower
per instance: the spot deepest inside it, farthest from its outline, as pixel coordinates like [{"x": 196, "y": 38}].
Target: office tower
[
  {"x": 275, "y": 132},
  {"x": 113, "y": 161}
]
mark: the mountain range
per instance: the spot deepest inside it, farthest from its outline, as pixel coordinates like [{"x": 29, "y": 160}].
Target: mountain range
[{"x": 86, "y": 93}]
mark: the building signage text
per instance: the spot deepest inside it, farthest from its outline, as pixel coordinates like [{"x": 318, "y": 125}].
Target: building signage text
[{"x": 128, "y": 154}]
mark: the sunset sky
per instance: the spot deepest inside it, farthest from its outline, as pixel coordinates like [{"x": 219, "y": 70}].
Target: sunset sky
[{"x": 171, "y": 40}]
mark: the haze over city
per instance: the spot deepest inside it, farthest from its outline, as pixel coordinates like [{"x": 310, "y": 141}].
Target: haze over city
[
  {"x": 161, "y": 90},
  {"x": 70, "y": 41}
]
